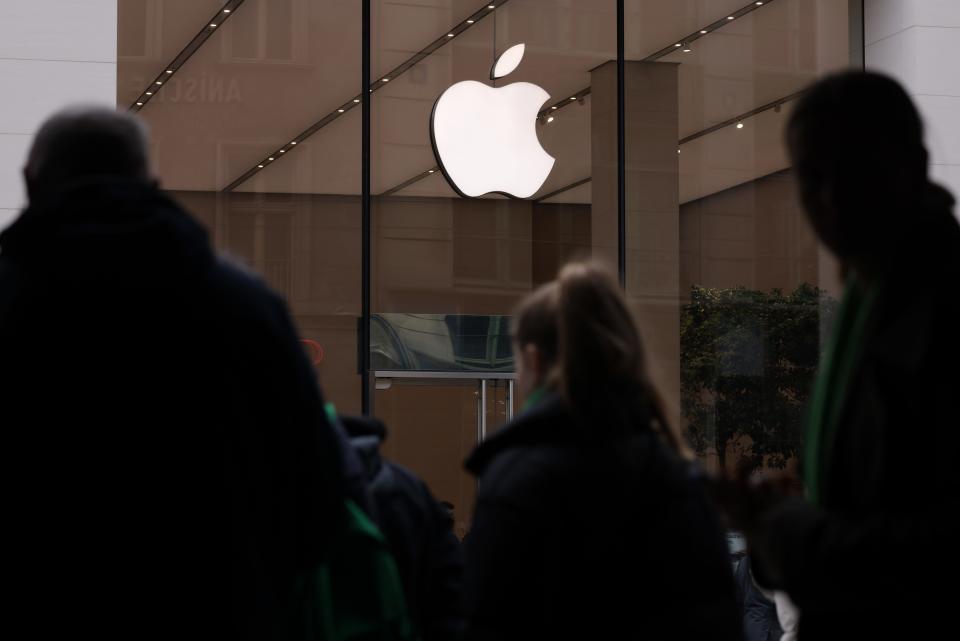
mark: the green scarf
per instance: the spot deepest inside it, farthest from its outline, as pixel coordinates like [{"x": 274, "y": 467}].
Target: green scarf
[
  {"x": 831, "y": 389},
  {"x": 534, "y": 398}
]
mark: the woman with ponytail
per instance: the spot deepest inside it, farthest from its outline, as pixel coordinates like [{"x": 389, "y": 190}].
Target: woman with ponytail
[{"x": 590, "y": 522}]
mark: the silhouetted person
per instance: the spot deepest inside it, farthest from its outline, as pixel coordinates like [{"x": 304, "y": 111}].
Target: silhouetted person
[
  {"x": 168, "y": 467},
  {"x": 867, "y": 553},
  {"x": 419, "y": 531},
  {"x": 589, "y": 521}
]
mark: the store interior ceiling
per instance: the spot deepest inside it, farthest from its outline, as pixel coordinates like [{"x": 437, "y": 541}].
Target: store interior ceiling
[{"x": 277, "y": 67}]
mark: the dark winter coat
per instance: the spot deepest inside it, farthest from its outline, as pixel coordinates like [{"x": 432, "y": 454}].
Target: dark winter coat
[
  {"x": 420, "y": 534},
  {"x": 871, "y": 561},
  {"x": 577, "y": 536},
  {"x": 760, "y": 621},
  {"x": 167, "y": 461}
]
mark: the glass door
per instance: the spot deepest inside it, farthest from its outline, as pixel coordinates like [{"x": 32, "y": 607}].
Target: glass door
[{"x": 434, "y": 421}]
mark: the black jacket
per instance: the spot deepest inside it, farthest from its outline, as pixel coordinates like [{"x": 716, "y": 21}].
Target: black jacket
[
  {"x": 420, "y": 534},
  {"x": 581, "y": 537},
  {"x": 167, "y": 462},
  {"x": 872, "y": 561},
  {"x": 760, "y": 622}
]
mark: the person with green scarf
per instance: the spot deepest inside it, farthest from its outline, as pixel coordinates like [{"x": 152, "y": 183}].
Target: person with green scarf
[{"x": 864, "y": 552}]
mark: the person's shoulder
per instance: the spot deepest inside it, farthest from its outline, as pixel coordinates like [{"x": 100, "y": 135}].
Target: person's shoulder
[
  {"x": 240, "y": 291},
  {"x": 231, "y": 276},
  {"x": 528, "y": 472},
  {"x": 399, "y": 485}
]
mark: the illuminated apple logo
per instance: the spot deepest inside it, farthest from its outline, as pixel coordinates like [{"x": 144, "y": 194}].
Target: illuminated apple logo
[{"x": 485, "y": 138}]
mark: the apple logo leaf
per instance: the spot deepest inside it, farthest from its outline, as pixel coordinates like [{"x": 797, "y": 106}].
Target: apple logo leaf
[{"x": 507, "y": 61}]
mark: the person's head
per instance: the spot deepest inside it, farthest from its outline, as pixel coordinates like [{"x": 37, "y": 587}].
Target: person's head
[
  {"x": 86, "y": 142},
  {"x": 856, "y": 143},
  {"x": 575, "y": 335}
]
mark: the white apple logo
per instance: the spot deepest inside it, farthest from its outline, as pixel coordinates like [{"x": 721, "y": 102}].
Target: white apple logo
[{"x": 485, "y": 138}]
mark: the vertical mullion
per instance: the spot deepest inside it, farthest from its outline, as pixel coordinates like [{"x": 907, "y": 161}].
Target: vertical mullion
[
  {"x": 621, "y": 154},
  {"x": 365, "y": 400}
]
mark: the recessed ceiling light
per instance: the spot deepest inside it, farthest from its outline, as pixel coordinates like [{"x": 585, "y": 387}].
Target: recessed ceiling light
[
  {"x": 759, "y": 3},
  {"x": 386, "y": 79},
  {"x": 259, "y": 166},
  {"x": 149, "y": 93},
  {"x": 553, "y": 108},
  {"x": 739, "y": 125},
  {"x": 431, "y": 171},
  {"x": 159, "y": 82},
  {"x": 169, "y": 70},
  {"x": 283, "y": 151},
  {"x": 139, "y": 104},
  {"x": 490, "y": 6},
  {"x": 573, "y": 97},
  {"x": 686, "y": 51},
  {"x": 449, "y": 35},
  {"x": 340, "y": 110},
  {"x": 213, "y": 25},
  {"x": 729, "y": 17},
  {"x": 550, "y": 119},
  {"x": 226, "y": 11},
  {"x": 294, "y": 142},
  {"x": 703, "y": 31},
  {"x": 677, "y": 45},
  {"x": 356, "y": 100},
  {"x": 470, "y": 21},
  {"x": 270, "y": 158}
]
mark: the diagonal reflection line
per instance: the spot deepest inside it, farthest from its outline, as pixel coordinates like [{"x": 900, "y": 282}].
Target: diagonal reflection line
[
  {"x": 212, "y": 25},
  {"x": 447, "y": 36},
  {"x": 410, "y": 181},
  {"x": 773, "y": 104},
  {"x": 653, "y": 57}
]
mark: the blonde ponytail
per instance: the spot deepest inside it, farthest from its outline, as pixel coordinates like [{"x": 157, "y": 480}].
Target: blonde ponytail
[{"x": 582, "y": 326}]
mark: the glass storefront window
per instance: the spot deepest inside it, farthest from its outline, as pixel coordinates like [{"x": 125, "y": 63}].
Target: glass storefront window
[
  {"x": 270, "y": 71},
  {"x": 259, "y": 132}
]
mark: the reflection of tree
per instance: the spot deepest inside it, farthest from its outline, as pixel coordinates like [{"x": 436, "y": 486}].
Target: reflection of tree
[{"x": 747, "y": 363}]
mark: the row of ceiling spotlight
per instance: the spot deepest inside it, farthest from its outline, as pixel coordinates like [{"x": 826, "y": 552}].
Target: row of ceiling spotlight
[
  {"x": 355, "y": 101},
  {"x": 686, "y": 46},
  {"x": 227, "y": 9}
]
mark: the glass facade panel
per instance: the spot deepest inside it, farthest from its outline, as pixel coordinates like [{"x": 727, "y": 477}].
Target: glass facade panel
[
  {"x": 258, "y": 131},
  {"x": 449, "y": 269},
  {"x": 724, "y": 273},
  {"x": 267, "y": 75}
]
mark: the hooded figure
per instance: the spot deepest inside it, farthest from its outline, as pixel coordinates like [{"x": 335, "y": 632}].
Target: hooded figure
[{"x": 169, "y": 466}]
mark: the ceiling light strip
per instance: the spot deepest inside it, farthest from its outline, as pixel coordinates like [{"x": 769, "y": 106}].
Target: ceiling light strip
[
  {"x": 210, "y": 26},
  {"x": 407, "y": 183},
  {"x": 670, "y": 48},
  {"x": 687, "y": 40},
  {"x": 736, "y": 120},
  {"x": 393, "y": 74}
]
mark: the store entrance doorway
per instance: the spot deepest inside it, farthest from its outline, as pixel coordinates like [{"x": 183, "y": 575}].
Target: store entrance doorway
[{"x": 435, "y": 420}]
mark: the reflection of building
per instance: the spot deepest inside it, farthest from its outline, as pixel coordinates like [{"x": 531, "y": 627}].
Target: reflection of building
[
  {"x": 441, "y": 342},
  {"x": 447, "y": 271}
]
